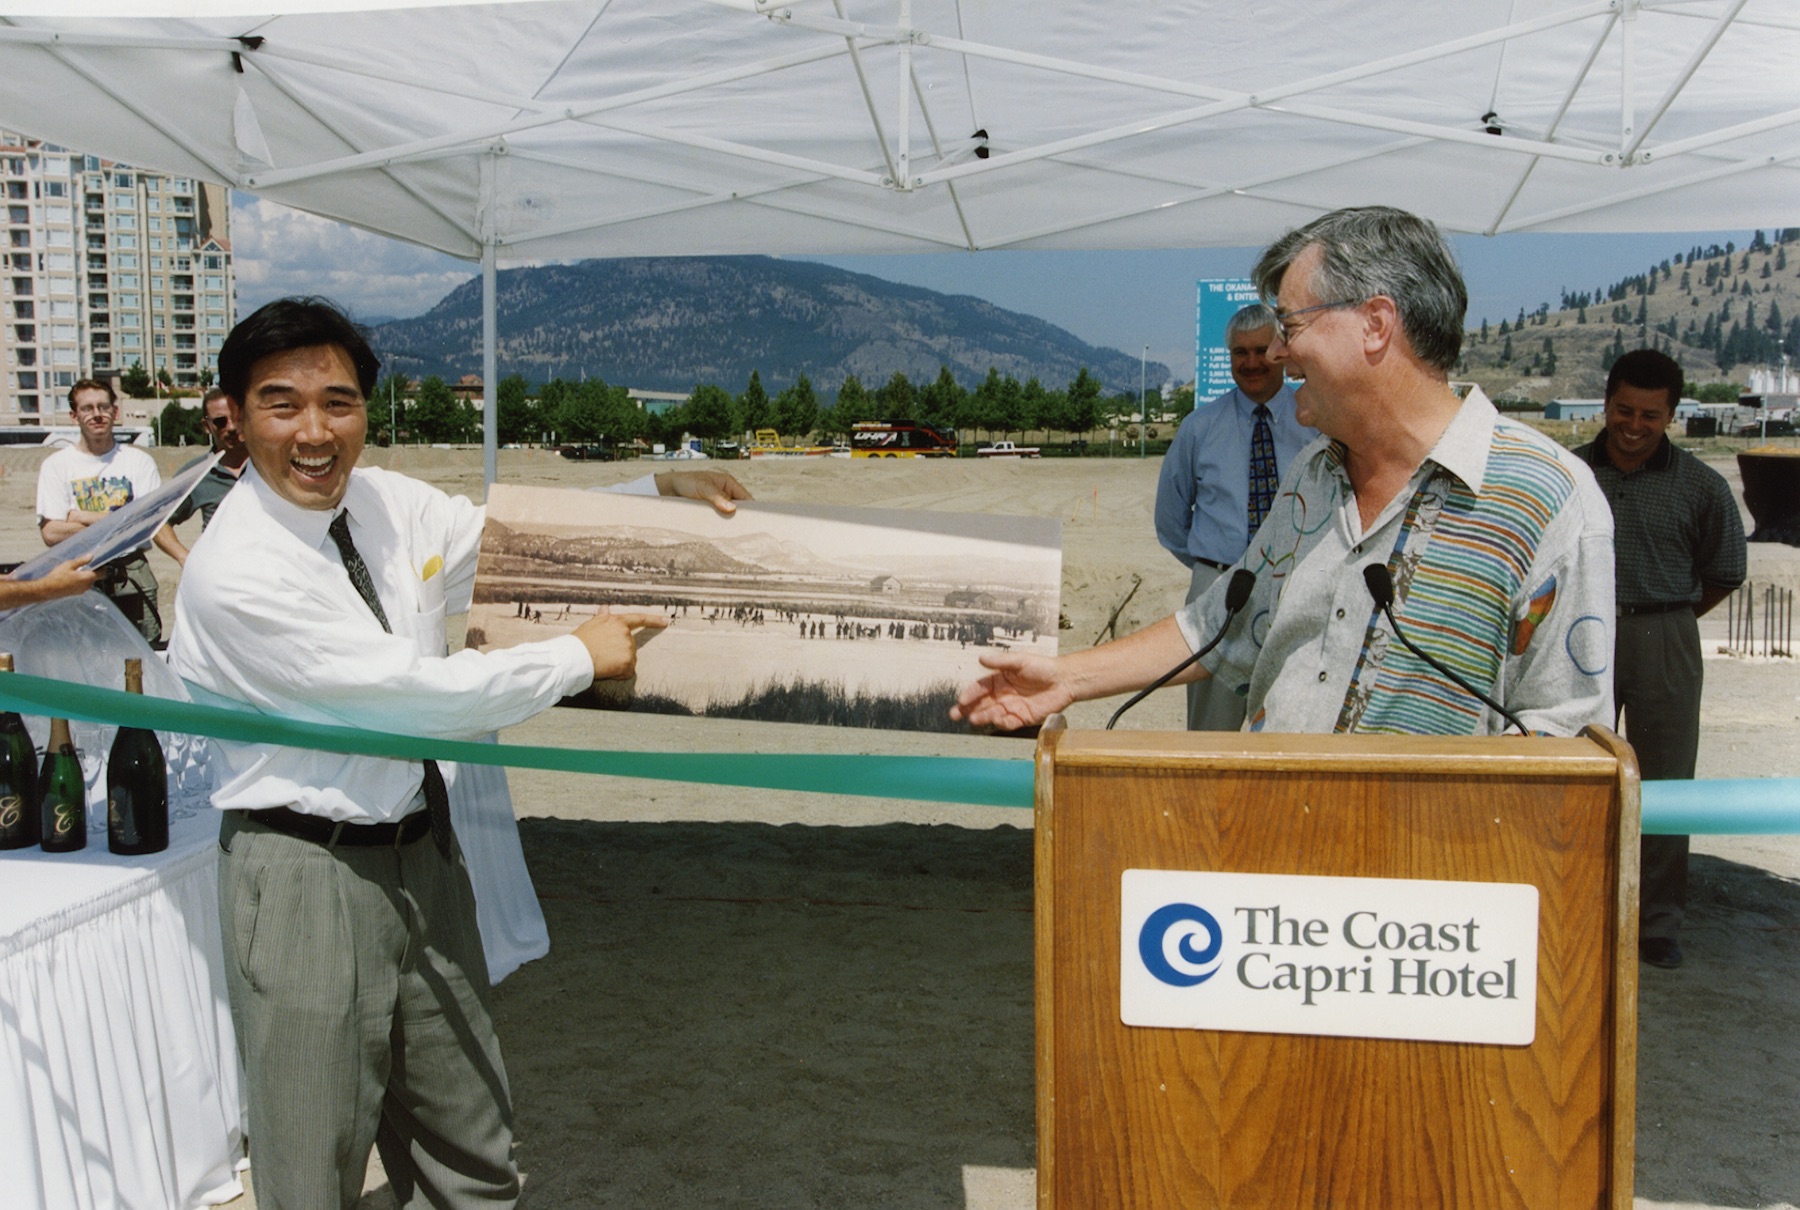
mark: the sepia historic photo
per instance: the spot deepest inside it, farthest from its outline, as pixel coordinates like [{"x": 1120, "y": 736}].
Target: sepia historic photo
[{"x": 840, "y": 616}]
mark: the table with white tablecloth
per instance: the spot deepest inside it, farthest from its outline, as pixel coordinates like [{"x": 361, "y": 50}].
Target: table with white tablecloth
[{"x": 118, "y": 1066}]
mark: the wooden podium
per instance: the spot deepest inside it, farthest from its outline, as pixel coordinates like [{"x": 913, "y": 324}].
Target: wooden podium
[{"x": 1160, "y": 1118}]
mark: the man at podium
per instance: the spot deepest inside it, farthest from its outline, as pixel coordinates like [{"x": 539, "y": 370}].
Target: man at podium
[{"x": 1490, "y": 545}]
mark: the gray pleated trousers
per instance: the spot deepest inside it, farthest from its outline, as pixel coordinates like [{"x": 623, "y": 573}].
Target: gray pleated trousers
[{"x": 360, "y": 996}]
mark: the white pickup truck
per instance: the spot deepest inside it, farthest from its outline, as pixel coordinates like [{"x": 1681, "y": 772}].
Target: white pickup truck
[{"x": 1006, "y": 449}]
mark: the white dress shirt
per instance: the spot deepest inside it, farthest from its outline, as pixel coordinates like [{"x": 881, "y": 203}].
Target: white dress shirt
[{"x": 267, "y": 617}]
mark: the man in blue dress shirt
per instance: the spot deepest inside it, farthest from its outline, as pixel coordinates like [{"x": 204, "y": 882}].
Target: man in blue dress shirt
[{"x": 1219, "y": 479}]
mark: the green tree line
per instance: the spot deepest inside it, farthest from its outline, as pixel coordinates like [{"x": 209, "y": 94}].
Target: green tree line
[{"x": 593, "y": 410}]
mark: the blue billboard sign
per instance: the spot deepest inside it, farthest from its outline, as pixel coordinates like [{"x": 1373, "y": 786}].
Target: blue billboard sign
[{"x": 1219, "y": 299}]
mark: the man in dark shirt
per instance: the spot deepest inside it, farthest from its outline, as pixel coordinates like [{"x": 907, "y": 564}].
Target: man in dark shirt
[
  {"x": 1679, "y": 550},
  {"x": 226, "y": 441}
]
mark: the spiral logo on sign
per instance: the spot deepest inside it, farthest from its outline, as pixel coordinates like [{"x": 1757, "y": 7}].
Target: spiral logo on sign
[{"x": 1166, "y": 943}]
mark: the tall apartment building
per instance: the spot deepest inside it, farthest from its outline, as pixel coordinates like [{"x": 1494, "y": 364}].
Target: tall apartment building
[{"x": 106, "y": 266}]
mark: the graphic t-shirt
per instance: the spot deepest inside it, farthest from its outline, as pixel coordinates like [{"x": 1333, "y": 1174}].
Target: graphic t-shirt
[{"x": 73, "y": 478}]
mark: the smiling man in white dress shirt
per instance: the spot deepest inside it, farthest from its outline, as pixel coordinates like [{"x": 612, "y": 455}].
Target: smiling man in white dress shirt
[{"x": 354, "y": 965}]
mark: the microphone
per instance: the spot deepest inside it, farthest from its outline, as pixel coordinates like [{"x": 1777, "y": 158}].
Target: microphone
[
  {"x": 1237, "y": 595},
  {"x": 1381, "y": 588}
]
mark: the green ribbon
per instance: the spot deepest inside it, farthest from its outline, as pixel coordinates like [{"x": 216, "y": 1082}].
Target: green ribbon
[
  {"x": 1750, "y": 806},
  {"x": 976, "y": 780}
]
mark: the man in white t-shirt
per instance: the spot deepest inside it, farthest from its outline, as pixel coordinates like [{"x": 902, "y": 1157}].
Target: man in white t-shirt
[{"x": 79, "y": 485}]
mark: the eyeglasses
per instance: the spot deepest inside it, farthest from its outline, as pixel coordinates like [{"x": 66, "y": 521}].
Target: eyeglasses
[
  {"x": 1284, "y": 321},
  {"x": 218, "y": 422}
]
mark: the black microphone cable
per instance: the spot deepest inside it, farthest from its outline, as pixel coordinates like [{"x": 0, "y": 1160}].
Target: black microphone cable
[
  {"x": 1237, "y": 595},
  {"x": 1381, "y": 588}
]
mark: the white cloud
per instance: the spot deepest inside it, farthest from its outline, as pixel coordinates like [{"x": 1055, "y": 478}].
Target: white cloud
[{"x": 278, "y": 251}]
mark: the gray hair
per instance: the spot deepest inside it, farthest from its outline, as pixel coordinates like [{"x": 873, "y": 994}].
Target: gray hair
[
  {"x": 1249, "y": 319},
  {"x": 1379, "y": 250}
]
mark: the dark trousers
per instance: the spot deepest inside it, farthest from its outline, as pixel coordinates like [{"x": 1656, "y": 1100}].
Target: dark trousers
[
  {"x": 360, "y": 996},
  {"x": 1656, "y": 686}
]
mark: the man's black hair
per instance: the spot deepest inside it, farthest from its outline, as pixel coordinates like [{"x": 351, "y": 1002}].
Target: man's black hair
[
  {"x": 294, "y": 323},
  {"x": 1647, "y": 370}
]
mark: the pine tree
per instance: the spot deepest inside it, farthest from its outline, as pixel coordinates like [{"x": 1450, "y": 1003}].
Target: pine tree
[{"x": 753, "y": 405}]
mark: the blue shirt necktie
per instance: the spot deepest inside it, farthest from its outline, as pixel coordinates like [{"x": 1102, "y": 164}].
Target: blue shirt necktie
[{"x": 1264, "y": 476}]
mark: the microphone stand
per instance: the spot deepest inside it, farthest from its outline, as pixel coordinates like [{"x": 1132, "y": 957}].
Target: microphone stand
[
  {"x": 1237, "y": 595},
  {"x": 1381, "y": 588}
]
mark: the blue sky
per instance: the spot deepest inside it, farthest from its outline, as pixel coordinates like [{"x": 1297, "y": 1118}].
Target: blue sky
[{"x": 1124, "y": 300}]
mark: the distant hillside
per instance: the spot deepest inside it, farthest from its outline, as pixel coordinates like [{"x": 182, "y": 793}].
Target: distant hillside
[
  {"x": 668, "y": 323},
  {"x": 1720, "y": 311}
]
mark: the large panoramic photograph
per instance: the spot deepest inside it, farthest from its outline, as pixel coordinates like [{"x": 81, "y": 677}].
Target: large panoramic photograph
[{"x": 836, "y": 616}]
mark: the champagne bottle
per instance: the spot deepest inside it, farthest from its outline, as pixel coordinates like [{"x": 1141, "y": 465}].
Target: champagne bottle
[
  {"x": 64, "y": 793},
  {"x": 18, "y": 778},
  {"x": 137, "y": 784}
]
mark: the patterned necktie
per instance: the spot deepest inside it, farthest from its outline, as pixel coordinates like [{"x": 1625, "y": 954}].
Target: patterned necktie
[
  {"x": 437, "y": 797},
  {"x": 1264, "y": 477}
]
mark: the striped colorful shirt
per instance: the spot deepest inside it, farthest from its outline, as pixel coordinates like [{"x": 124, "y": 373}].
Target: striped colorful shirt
[{"x": 1500, "y": 550}]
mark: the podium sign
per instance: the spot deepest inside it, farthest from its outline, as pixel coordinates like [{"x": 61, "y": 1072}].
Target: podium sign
[
  {"x": 1346, "y": 971},
  {"x": 1347, "y": 957}
]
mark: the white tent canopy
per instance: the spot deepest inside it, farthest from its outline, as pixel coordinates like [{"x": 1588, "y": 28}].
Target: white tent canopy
[{"x": 548, "y": 130}]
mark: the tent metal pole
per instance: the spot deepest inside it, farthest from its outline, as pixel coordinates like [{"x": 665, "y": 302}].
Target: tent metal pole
[
  {"x": 93, "y": 77},
  {"x": 1627, "y": 77},
  {"x": 903, "y": 120},
  {"x": 424, "y": 199},
  {"x": 69, "y": 37},
  {"x": 490, "y": 410},
  {"x": 1725, "y": 18},
  {"x": 490, "y": 407},
  {"x": 937, "y": 149},
  {"x": 1427, "y": 54},
  {"x": 1613, "y": 199},
  {"x": 862, "y": 80},
  {"x": 1343, "y": 117},
  {"x": 416, "y": 149},
  {"x": 761, "y": 196},
  {"x": 1247, "y": 186},
  {"x": 1727, "y": 134}
]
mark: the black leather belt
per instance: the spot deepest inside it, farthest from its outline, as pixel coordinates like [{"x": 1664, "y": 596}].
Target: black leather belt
[
  {"x": 329, "y": 832},
  {"x": 1212, "y": 563},
  {"x": 1632, "y": 611}
]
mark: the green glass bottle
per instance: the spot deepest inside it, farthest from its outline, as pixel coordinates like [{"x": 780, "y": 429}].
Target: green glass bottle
[
  {"x": 18, "y": 778},
  {"x": 137, "y": 784},
  {"x": 64, "y": 794}
]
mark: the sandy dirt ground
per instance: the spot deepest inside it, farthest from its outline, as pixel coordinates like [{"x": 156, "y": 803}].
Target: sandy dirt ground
[{"x": 757, "y": 999}]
